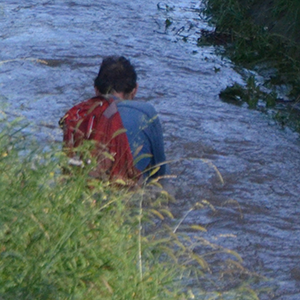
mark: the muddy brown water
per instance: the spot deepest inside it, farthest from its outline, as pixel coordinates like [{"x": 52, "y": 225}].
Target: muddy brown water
[{"x": 258, "y": 202}]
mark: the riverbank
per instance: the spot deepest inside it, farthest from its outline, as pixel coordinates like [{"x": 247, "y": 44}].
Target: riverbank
[{"x": 261, "y": 36}]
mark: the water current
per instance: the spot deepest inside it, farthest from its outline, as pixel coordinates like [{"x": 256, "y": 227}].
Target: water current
[{"x": 50, "y": 54}]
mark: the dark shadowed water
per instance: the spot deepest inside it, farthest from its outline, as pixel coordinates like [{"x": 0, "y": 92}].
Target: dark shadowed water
[{"x": 50, "y": 54}]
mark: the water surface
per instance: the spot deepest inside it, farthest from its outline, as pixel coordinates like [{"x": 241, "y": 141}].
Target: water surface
[{"x": 50, "y": 54}]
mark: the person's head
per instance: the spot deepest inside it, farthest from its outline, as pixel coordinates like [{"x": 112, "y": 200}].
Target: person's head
[{"x": 116, "y": 76}]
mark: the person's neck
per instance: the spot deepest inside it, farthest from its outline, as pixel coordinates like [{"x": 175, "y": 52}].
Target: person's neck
[{"x": 120, "y": 96}]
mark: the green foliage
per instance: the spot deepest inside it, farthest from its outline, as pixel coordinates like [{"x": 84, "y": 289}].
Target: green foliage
[
  {"x": 260, "y": 35},
  {"x": 251, "y": 94},
  {"x": 254, "y": 42},
  {"x": 73, "y": 237}
]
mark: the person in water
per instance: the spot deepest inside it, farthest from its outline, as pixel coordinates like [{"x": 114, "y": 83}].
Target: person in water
[{"x": 117, "y": 77}]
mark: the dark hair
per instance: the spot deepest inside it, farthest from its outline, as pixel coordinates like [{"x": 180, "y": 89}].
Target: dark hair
[{"x": 116, "y": 74}]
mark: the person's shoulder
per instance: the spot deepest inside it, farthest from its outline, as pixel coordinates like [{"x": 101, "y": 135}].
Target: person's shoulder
[{"x": 141, "y": 106}]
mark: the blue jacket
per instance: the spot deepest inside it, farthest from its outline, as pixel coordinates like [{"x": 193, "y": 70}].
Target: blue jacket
[{"x": 143, "y": 129}]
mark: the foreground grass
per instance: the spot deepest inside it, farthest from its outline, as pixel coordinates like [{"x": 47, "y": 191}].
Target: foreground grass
[{"x": 61, "y": 239}]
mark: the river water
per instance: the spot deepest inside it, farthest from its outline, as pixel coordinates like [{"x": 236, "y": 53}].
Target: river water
[{"x": 50, "y": 54}]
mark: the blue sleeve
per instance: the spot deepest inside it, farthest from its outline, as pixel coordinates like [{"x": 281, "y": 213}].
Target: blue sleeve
[
  {"x": 155, "y": 134},
  {"x": 144, "y": 128}
]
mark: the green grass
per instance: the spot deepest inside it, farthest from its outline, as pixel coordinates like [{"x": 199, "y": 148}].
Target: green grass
[{"x": 62, "y": 239}]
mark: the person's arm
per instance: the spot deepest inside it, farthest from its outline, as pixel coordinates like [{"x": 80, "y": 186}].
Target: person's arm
[{"x": 155, "y": 135}]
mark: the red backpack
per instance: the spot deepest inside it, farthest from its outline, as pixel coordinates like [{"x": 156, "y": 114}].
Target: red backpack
[{"x": 98, "y": 119}]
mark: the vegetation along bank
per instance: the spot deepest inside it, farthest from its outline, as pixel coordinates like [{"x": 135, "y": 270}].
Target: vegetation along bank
[{"x": 262, "y": 36}]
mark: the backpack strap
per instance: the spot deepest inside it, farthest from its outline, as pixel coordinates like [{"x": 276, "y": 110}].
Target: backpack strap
[{"x": 111, "y": 110}]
